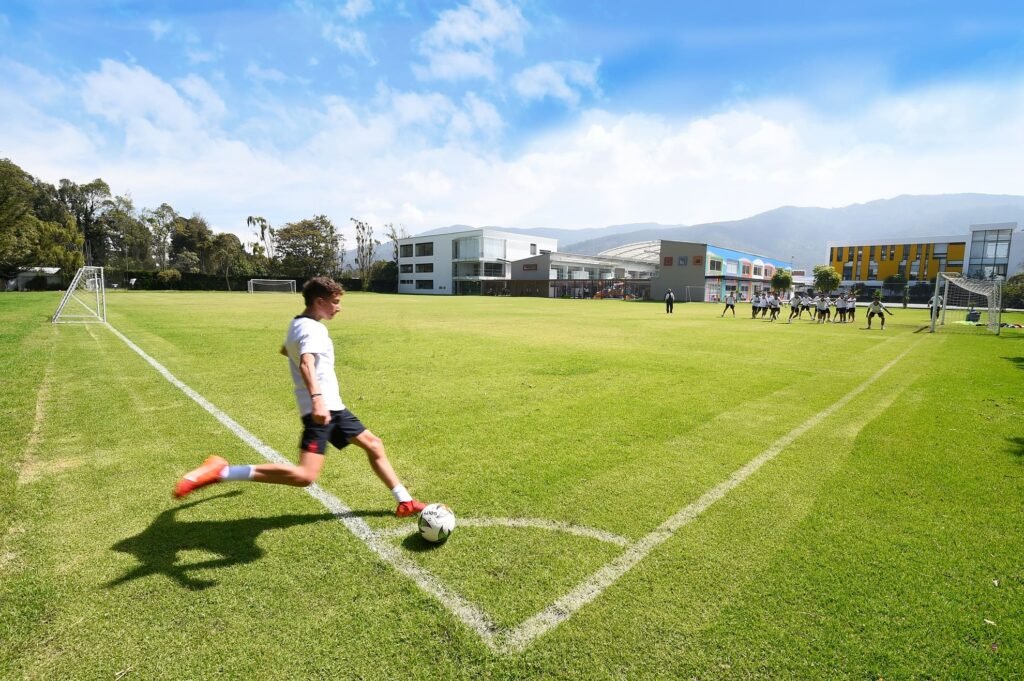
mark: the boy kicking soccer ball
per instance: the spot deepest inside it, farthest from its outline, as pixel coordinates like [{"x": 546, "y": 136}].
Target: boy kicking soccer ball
[{"x": 310, "y": 354}]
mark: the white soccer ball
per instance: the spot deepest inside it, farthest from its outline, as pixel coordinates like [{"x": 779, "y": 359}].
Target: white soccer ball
[{"x": 436, "y": 523}]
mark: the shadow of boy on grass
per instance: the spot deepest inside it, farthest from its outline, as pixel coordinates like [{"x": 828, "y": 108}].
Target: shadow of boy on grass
[{"x": 157, "y": 547}]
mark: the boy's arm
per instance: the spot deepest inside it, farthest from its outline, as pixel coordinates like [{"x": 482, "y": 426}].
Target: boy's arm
[{"x": 307, "y": 368}]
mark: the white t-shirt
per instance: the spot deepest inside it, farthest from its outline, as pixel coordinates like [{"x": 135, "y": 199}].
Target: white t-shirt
[
  {"x": 308, "y": 336},
  {"x": 730, "y": 299}
]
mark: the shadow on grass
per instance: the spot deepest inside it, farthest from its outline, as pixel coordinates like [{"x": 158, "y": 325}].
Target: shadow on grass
[
  {"x": 1019, "y": 361},
  {"x": 157, "y": 547},
  {"x": 1017, "y": 446},
  {"x": 414, "y": 542}
]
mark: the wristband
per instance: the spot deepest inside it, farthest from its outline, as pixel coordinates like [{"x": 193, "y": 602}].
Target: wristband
[{"x": 316, "y": 394}]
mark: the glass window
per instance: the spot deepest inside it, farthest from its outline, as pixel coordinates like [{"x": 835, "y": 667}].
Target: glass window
[
  {"x": 714, "y": 265},
  {"x": 405, "y": 251},
  {"x": 405, "y": 269},
  {"x": 425, "y": 249},
  {"x": 533, "y": 249},
  {"x": 422, "y": 284},
  {"x": 939, "y": 250},
  {"x": 872, "y": 270},
  {"x": 758, "y": 271},
  {"x": 424, "y": 267},
  {"x": 494, "y": 269}
]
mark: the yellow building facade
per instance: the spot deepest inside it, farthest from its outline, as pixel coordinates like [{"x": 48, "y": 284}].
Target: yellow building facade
[{"x": 878, "y": 260}]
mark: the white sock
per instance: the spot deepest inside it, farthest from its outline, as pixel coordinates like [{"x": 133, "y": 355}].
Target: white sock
[
  {"x": 237, "y": 473},
  {"x": 400, "y": 493}
]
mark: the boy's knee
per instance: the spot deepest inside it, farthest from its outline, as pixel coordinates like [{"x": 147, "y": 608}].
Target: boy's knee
[{"x": 304, "y": 478}]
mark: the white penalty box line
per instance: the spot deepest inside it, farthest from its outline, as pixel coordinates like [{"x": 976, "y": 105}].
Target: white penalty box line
[{"x": 510, "y": 640}]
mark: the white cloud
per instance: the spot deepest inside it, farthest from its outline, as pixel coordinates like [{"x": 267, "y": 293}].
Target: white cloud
[
  {"x": 560, "y": 80},
  {"x": 426, "y": 160},
  {"x": 159, "y": 29},
  {"x": 262, "y": 75},
  {"x": 348, "y": 40},
  {"x": 463, "y": 42},
  {"x": 354, "y": 9}
]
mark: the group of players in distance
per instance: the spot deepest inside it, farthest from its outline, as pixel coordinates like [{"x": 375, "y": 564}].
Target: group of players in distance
[
  {"x": 325, "y": 419},
  {"x": 819, "y": 307}
]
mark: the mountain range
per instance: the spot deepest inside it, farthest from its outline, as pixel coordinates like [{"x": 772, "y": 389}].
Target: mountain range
[{"x": 800, "y": 234}]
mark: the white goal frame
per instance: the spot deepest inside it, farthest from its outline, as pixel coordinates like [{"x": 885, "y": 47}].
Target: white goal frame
[
  {"x": 87, "y": 296},
  {"x": 272, "y": 286},
  {"x": 963, "y": 298}
]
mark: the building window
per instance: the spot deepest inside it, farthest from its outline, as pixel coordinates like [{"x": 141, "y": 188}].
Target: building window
[
  {"x": 746, "y": 269},
  {"x": 405, "y": 269},
  {"x": 533, "y": 249},
  {"x": 848, "y": 271},
  {"x": 424, "y": 284},
  {"x": 405, "y": 251},
  {"x": 758, "y": 271},
  {"x": 494, "y": 269},
  {"x": 425, "y": 249},
  {"x": 872, "y": 269},
  {"x": 715, "y": 266},
  {"x": 424, "y": 267},
  {"x": 405, "y": 281}
]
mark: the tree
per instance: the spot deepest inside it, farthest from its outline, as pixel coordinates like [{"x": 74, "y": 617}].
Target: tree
[
  {"x": 782, "y": 280},
  {"x": 128, "y": 237},
  {"x": 1013, "y": 291},
  {"x": 161, "y": 225},
  {"x": 35, "y": 229},
  {"x": 365, "y": 247},
  {"x": 194, "y": 235},
  {"x": 86, "y": 203},
  {"x": 267, "y": 234},
  {"x": 18, "y": 226},
  {"x": 309, "y": 248},
  {"x": 227, "y": 252},
  {"x": 826, "y": 279},
  {"x": 394, "y": 235}
]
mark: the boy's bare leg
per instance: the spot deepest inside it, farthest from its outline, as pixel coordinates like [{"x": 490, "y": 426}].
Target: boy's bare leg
[{"x": 302, "y": 475}]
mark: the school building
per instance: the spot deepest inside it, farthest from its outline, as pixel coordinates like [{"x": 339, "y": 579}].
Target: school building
[
  {"x": 705, "y": 272},
  {"x": 987, "y": 251}
]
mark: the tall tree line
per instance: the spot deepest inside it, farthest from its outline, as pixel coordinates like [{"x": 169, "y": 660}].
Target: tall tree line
[{"x": 71, "y": 224}]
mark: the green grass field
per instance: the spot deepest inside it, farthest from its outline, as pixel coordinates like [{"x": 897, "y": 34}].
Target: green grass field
[{"x": 883, "y": 538}]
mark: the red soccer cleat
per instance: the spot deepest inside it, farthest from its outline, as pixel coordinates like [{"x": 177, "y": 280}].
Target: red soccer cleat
[
  {"x": 408, "y": 508},
  {"x": 207, "y": 474}
]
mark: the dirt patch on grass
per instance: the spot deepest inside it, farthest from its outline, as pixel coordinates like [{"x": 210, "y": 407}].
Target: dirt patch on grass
[{"x": 33, "y": 468}]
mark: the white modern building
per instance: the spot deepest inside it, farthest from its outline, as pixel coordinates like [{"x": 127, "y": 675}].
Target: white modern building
[
  {"x": 994, "y": 251},
  {"x": 460, "y": 263}
]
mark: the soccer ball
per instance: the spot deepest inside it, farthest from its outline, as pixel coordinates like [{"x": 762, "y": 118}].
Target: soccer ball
[{"x": 436, "y": 523}]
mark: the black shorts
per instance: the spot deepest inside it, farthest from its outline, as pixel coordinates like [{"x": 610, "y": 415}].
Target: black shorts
[
  {"x": 728, "y": 305},
  {"x": 875, "y": 314},
  {"x": 339, "y": 431}
]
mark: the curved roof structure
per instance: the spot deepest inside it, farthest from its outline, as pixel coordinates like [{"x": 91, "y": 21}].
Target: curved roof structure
[{"x": 648, "y": 251}]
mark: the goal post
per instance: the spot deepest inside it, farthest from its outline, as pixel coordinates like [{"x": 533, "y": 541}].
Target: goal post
[
  {"x": 271, "y": 286},
  {"x": 85, "y": 300},
  {"x": 960, "y": 302}
]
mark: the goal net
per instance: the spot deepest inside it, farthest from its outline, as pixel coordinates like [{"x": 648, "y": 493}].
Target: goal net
[
  {"x": 960, "y": 302},
  {"x": 271, "y": 286},
  {"x": 85, "y": 300}
]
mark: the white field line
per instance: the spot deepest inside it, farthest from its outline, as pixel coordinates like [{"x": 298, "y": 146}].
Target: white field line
[
  {"x": 535, "y": 523},
  {"x": 512, "y": 640},
  {"x": 472, "y": 616},
  {"x": 563, "y": 608}
]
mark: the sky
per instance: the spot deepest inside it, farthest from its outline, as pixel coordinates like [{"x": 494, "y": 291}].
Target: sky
[{"x": 512, "y": 113}]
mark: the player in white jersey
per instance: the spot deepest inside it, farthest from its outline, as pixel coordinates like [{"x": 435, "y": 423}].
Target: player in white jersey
[
  {"x": 795, "y": 303},
  {"x": 821, "y": 304},
  {"x": 840, "y": 317},
  {"x": 325, "y": 418},
  {"x": 876, "y": 308},
  {"x": 730, "y": 303},
  {"x": 851, "y": 307},
  {"x": 774, "y": 305}
]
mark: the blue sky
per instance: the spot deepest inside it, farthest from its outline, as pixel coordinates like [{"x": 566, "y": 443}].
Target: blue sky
[{"x": 516, "y": 114}]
